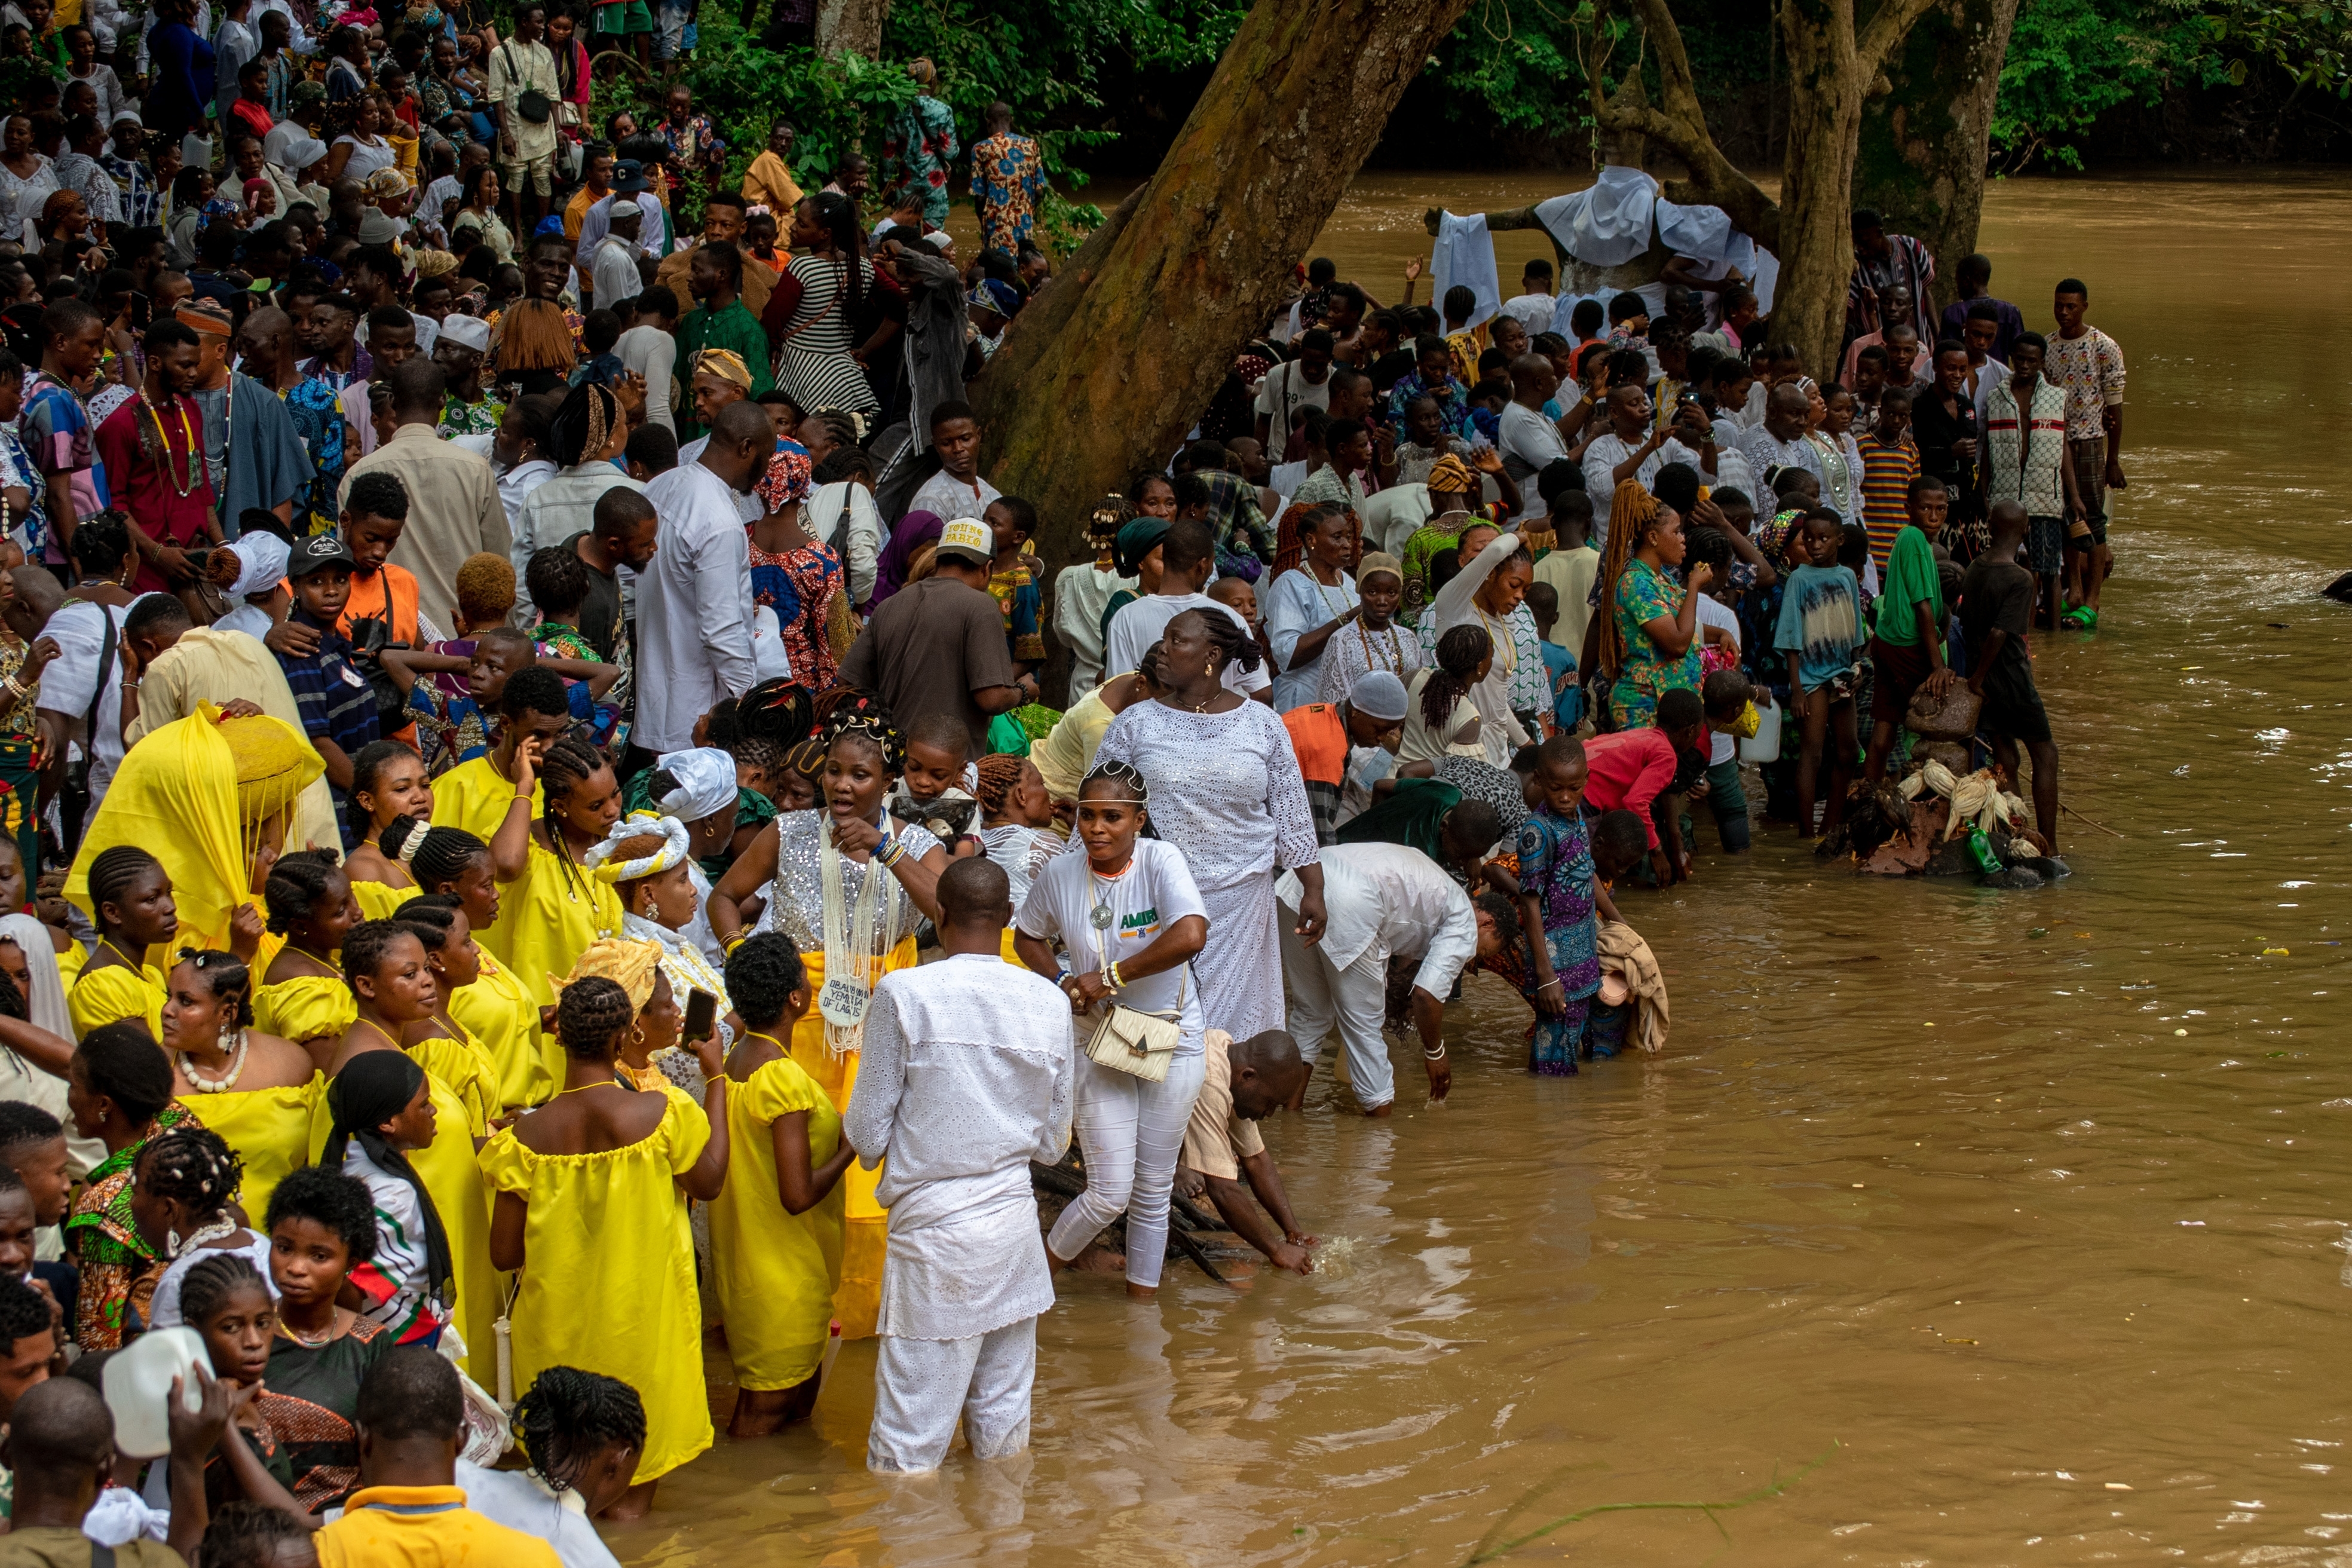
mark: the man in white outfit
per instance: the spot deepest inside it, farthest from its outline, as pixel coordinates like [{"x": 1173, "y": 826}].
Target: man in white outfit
[
  {"x": 694, "y": 601},
  {"x": 966, "y": 1075},
  {"x": 1382, "y": 901}
]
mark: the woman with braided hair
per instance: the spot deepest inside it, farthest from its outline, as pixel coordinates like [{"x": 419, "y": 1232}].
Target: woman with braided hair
[
  {"x": 302, "y": 996},
  {"x": 395, "y": 996},
  {"x": 1016, "y": 820},
  {"x": 1083, "y": 591},
  {"x": 582, "y": 1433},
  {"x": 1226, "y": 790},
  {"x": 183, "y": 1192},
  {"x": 817, "y": 870},
  {"x": 1648, "y": 642},
  {"x": 591, "y": 1208},
  {"x": 130, "y": 904},
  {"x": 497, "y": 1008},
  {"x": 119, "y": 1091},
  {"x": 550, "y": 907},
  {"x": 258, "y": 1088},
  {"x": 389, "y": 781}
]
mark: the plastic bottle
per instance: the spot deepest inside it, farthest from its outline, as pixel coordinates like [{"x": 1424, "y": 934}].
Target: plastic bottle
[{"x": 1981, "y": 852}]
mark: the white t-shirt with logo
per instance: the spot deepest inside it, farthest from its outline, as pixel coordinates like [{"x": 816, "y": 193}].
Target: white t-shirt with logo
[{"x": 1154, "y": 893}]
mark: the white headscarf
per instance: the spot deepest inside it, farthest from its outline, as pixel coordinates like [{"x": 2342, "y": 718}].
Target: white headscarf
[
  {"x": 706, "y": 782},
  {"x": 673, "y": 850},
  {"x": 260, "y": 561},
  {"x": 46, "y": 1007}
]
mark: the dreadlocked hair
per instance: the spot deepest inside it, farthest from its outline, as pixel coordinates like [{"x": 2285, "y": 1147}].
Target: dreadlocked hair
[
  {"x": 1231, "y": 640},
  {"x": 589, "y": 1017},
  {"x": 568, "y": 762},
  {"x": 365, "y": 944},
  {"x": 112, "y": 872},
  {"x": 999, "y": 772},
  {"x": 1633, "y": 513},
  {"x": 780, "y": 710},
  {"x": 224, "y": 976},
  {"x": 1460, "y": 652},
  {"x": 210, "y": 1283},
  {"x": 194, "y": 1165},
  {"x": 863, "y": 718},
  {"x": 442, "y": 855},
  {"x": 296, "y": 885},
  {"x": 566, "y": 1417}
]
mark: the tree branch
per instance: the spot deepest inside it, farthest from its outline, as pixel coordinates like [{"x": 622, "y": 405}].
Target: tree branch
[{"x": 1887, "y": 28}]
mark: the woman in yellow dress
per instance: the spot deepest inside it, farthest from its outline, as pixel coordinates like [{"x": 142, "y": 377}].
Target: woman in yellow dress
[
  {"x": 591, "y": 1208},
  {"x": 208, "y": 797},
  {"x": 302, "y": 996},
  {"x": 453, "y": 869},
  {"x": 864, "y": 928},
  {"x": 550, "y": 909},
  {"x": 134, "y": 912},
  {"x": 394, "y": 999},
  {"x": 775, "y": 1228},
  {"x": 258, "y": 1090},
  {"x": 390, "y": 785}
]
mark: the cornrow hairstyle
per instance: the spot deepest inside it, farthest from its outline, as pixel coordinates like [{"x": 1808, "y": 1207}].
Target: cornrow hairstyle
[
  {"x": 844, "y": 463},
  {"x": 780, "y": 710},
  {"x": 431, "y": 922},
  {"x": 1459, "y": 654},
  {"x": 1506, "y": 916},
  {"x": 566, "y": 764},
  {"x": 999, "y": 772},
  {"x": 330, "y": 1198},
  {"x": 205, "y": 1287},
  {"x": 194, "y": 1165},
  {"x": 296, "y": 885},
  {"x": 762, "y": 974},
  {"x": 113, "y": 872},
  {"x": 558, "y": 580},
  {"x": 1229, "y": 638},
  {"x": 758, "y": 751},
  {"x": 374, "y": 758},
  {"x": 24, "y": 1124},
  {"x": 567, "y": 1416},
  {"x": 249, "y": 1535},
  {"x": 589, "y": 1017},
  {"x": 442, "y": 855},
  {"x": 24, "y": 1312},
  {"x": 862, "y": 718},
  {"x": 366, "y": 944},
  {"x": 122, "y": 1062},
  {"x": 224, "y": 976}
]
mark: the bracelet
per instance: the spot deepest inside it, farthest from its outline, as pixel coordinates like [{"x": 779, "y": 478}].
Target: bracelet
[
  {"x": 1111, "y": 973},
  {"x": 1436, "y": 1056},
  {"x": 1548, "y": 985},
  {"x": 728, "y": 944}
]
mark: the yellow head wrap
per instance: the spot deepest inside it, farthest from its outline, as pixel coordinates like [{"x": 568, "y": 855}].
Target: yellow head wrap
[
  {"x": 631, "y": 965},
  {"x": 196, "y": 794},
  {"x": 726, "y": 364}
]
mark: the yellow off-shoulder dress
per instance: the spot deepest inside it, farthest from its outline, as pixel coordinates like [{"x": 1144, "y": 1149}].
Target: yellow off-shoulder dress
[
  {"x": 100, "y": 996},
  {"x": 378, "y": 901},
  {"x": 547, "y": 917},
  {"x": 270, "y": 1130},
  {"x": 607, "y": 1282},
  {"x": 307, "y": 1007},
  {"x": 501, "y": 1011}
]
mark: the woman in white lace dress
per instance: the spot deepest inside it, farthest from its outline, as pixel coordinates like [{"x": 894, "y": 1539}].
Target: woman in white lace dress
[{"x": 1226, "y": 790}]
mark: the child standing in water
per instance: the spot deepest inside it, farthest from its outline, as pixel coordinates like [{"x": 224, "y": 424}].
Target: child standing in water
[
  {"x": 1557, "y": 895},
  {"x": 1820, "y": 631}
]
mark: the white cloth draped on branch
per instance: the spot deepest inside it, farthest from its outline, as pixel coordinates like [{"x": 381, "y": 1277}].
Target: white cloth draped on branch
[
  {"x": 1465, "y": 256},
  {"x": 1611, "y": 221}
]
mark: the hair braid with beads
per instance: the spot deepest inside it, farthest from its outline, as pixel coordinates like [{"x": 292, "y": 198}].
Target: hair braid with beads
[
  {"x": 863, "y": 718},
  {"x": 192, "y": 1165}
]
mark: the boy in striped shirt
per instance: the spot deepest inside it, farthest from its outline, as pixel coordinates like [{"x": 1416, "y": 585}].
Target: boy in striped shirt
[{"x": 1890, "y": 461}]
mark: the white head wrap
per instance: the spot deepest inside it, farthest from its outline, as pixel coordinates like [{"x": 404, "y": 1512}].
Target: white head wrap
[
  {"x": 260, "y": 563},
  {"x": 598, "y": 858},
  {"x": 46, "y": 1005},
  {"x": 706, "y": 782}
]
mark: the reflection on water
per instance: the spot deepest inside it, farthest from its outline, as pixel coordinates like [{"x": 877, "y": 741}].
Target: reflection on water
[{"x": 2028, "y": 1210}]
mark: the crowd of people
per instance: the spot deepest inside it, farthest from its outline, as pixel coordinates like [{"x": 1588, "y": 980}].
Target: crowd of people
[{"x": 553, "y": 813}]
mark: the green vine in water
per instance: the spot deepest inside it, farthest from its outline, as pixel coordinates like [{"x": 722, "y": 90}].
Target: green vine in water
[{"x": 1771, "y": 1489}]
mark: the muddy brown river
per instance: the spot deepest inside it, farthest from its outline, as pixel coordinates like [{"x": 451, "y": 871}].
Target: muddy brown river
[{"x": 1953, "y": 1227}]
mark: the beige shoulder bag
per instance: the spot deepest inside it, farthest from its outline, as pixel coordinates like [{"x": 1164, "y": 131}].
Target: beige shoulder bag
[{"x": 1129, "y": 1039}]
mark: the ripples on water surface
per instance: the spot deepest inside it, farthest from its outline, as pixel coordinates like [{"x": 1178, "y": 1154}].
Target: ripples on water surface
[{"x": 2062, "y": 1279}]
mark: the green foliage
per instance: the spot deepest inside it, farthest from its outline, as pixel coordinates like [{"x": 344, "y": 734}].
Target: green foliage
[{"x": 2070, "y": 61}]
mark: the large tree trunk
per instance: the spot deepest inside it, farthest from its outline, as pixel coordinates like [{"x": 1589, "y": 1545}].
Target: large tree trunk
[
  {"x": 1101, "y": 375},
  {"x": 1826, "y": 95},
  {"x": 1921, "y": 160},
  {"x": 852, "y": 25}
]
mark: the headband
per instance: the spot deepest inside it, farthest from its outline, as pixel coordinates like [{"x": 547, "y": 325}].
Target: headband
[
  {"x": 1123, "y": 773},
  {"x": 672, "y": 832}
]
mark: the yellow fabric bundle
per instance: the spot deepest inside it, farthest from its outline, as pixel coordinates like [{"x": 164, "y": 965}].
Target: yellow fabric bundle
[{"x": 631, "y": 965}]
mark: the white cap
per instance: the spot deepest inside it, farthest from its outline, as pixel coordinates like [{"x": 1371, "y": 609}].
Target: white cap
[
  {"x": 627, "y": 209},
  {"x": 467, "y": 332}
]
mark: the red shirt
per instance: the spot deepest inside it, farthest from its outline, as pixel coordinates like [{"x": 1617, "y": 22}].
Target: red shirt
[
  {"x": 1628, "y": 771},
  {"x": 147, "y": 453}
]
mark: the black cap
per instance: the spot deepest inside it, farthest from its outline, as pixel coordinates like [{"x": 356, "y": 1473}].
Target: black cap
[
  {"x": 317, "y": 553},
  {"x": 629, "y": 177}
]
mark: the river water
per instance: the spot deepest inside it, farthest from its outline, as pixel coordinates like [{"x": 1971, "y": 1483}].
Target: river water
[{"x": 1990, "y": 1227}]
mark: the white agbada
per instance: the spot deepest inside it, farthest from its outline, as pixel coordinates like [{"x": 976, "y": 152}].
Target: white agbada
[
  {"x": 694, "y": 609},
  {"x": 966, "y": 1074}
]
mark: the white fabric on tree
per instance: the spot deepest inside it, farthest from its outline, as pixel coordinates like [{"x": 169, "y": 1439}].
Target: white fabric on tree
[{"x": 1465, "y": 256}]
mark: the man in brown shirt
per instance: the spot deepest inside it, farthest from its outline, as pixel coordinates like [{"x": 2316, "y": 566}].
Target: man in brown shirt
[
  {"x": 1240, "y": 1085},
  {"x": 938, "y": 645}
]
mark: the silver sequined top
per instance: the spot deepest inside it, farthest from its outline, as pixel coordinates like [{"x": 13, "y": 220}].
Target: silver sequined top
[{"x": 796, "y": 897}]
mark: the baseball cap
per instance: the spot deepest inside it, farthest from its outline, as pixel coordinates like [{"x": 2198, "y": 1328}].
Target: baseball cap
[
  {"x": 629, "y": 177},
  {"x": 318, "y": 553},
  {"x": 967, "y": 539}
]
